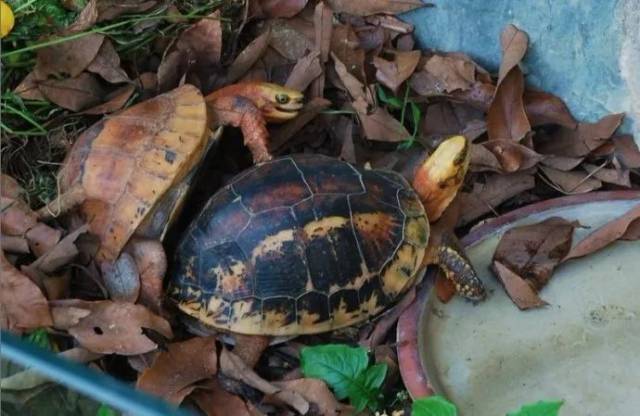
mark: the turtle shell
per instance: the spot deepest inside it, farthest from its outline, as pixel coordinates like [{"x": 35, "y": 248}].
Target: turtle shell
[
  {"x": 300, "y": 245},
  {"x": 127, "y": 162}
]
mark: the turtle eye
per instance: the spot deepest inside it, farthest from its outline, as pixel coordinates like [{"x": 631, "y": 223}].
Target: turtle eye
[{"x": 282, "y": 98}]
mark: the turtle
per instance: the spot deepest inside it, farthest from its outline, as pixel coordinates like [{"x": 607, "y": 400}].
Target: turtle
[
  {"x": 304, "y": 244},
  {"x": 130, "y": 171}
]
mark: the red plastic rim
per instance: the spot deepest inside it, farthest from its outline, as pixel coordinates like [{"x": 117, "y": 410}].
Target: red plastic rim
[{"x": 413, "y": 375}]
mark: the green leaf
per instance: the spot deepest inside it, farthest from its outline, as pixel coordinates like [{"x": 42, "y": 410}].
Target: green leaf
[
  {"x": 40, "y": 337},
  {"x": 390, "y": 100},
  {"x": 540, "y": 408},
  {"x": 365, "y": 389},
  {"x": 416, "y": 114},
  {"x": 433, "y": 406},
  {"x": 105, "y": 410},
  {"x": 338, "y": 365}
]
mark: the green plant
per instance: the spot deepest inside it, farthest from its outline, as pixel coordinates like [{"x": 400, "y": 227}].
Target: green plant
[
  {"x": 439, "y": 406},
  {"x": 346, "y": 370},
  {"x": 105, "y": 410},
  {"x": 395, "y": 103}
]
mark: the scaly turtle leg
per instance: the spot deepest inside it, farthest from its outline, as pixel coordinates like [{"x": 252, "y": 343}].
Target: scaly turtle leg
[
  {"x": 437, "y": 181},
  {"x": 249, "y": 106}
]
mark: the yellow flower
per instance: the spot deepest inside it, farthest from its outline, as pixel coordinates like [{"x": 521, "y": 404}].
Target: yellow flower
[{"x": 6, "y": 19}]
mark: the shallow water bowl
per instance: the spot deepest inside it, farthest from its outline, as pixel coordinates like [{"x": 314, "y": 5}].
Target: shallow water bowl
[{"x": 583, "y": 348}]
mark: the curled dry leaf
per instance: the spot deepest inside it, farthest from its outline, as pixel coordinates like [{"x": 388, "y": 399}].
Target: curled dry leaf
[
  {"x": 305, "y": 71},
  {"x": 67, "y": 59},
  {"x": 110, "y": 9},
  {"x": 10, "y": 188},
  {"x": 74, "y": 94},
  {"x": 151, "y": 262},
  {"x": 393, "y": 73},
  {"x": 114, "y": 101},
  {"x": 561, "y": 162},
  {"x": 316, "y": 392},
  {"x": 14, "y": 244},
  {"x": 22, "y": 304},
  {"x": 202, "y": 41},
  {"x": 288, "y": 41},
  {"x": 350, "y": 82},
  {"x": 626, "y": 151},
  {"x": 573, "y": 182},
  {"x": 42, "y": 238},
  {"x": 497, "y": 188},
  {"x": 512, "y": 156},
  {"x": 584, "y": 139},
  {"x": 605, "y": 235},
  {"x": 248, "y": 57},
  {"x": 533, "y": 251},
  {"x": 513, "y": 42},
  {"x": 28, "y": 88},
  {"x": 520, "y": 292},
  {"x": 213, "y": 400},
  {"x": 184, "y": 364},
  {"x": 506, "y": 118},
  {"x": 614, "y": 176},
  {"x": 59, "y": 255},
  {"x": 112, "y": 327},
  {"x": 122, "y": 279},
  {"x": 232, "y": 366},
  {"x": 483, "y": 159},
  {"x": 15, "y": 216},
  {"x": 544, "y": 108},
  {"x": 379, "y": 125},
  {"x": 107, "y": 64},
  {"x": 369, "y": 7}
]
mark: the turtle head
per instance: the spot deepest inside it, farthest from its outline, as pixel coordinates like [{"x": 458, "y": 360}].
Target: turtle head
[
  {"x": 277, "y": 103},
  {"x": 439, "y": 177}
]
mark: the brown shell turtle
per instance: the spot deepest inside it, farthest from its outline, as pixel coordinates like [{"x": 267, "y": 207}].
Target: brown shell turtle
[
  {"x": 130, "y": 171},
  {"x": 306, "y": 244}
]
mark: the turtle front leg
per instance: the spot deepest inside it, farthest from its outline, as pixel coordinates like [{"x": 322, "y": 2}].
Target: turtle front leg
[
  {"x": 241, "y": 112},
  {"x": 142, "y": 261}
]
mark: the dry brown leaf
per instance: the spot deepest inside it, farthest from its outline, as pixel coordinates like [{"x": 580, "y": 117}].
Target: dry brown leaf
[
  {"x": 483, "y": 159},
  {"x": 10, "y": 188},
  {"x": 74, "y": 94},
  {"x": 202, "y": 41},
  {"x": 479, "y": 95},
  {"x": 506, "y": 118},
  {"x": 281, "y": 8},
  {"x": 107, "y": 64},
  {"x": 67, "y": 59},
  {"x": 14, "y": 244},
  {"x": 316, "y": 392},
  {"x": 561, "y": 162},
  {"x": 16, "y": 218},
  {"x": 112, "y": 327},
  {"x": 633, "y": 231},
  {"x": 512, "y": 156},
  {"x": 323, "y": 25},
  {"x": 379, "y": 125},
  {"x": 533, "y": 251},
  {"x": 28, "y": 88},
  {"x": 514, "y": 44},
  {"x": 171, "y": 70},
  {"x": 573, "y": 182},
  {"x": 544, "y": 108},
  {"x": 626, "y": 151},
  {"x": 345, "y": 45},
  {"x": 115, "y": 101},
  {"x": 615, "y": 176},
  {"x": 498, "y": 188},
  {"x": 520, "y": 292},
  {"x": 451, "y": 73},
  {"x": 369, "y": 7},
  {"x": 42, "y": 238},
  {"x": 86, "y": 18},
  {"x": 350, "y": 82},
  {"x": 22, "y": 304},
  {"x": 288, "y": 41},
  {"x": 305, "y": 71},
  {"x": 232, "y": 366},
  {"x": 388, "y": 320},
  {"x": 405, "y": 43},
  {"x": 59, "y": 255},
  {"x": 213, "y": 400},
  {"x": 393, "y": 73},
  {"x": 122, "y": 279},
  {"x": 248, "y": 57},
  {"x": 605, "y": 235},
  {"x": 581, "y": 141},
  {"x": 110, "y": 9},
  {"x": 184, "y": 364}
]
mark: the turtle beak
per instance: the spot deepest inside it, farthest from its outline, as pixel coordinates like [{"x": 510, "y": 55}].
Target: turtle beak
[{"x": 281, "y": 103}]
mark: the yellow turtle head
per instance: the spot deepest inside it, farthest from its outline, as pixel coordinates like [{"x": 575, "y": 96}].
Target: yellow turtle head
[
  {"x": 439, "y": 177},
  {"x": 277, "y": 103}
]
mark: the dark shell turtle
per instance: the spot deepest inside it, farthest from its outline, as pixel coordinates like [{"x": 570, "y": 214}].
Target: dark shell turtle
[{"x": 299, "y": 245}]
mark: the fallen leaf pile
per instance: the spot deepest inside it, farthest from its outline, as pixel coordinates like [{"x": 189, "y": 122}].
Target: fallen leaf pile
[{"x": 372, "y": 98}]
